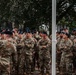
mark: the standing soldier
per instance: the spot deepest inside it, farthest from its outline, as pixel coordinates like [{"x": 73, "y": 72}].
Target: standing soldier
[
  {"x": 19, "y": 47},
  {"x": 8, "y": 56},
  {"x": 27, "y": 52},
  {"x": 44, "y": 53},
  {"x": 58, "y": 54},
  {"x": 66, "y": 64},
  {"x": 36, "y": 54},
  {"x": 21, "y": 55}
]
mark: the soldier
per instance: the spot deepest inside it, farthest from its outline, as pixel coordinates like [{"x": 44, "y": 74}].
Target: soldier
[
  {"x": 27, "y": 53},
  {"x": 8, "y": 56},
  {"x": 19, "y": 53},
  {"x": 66, "y": 64},
  {"x": 58, "y": 51},
  {"x": 44, "y": 53},
  {"x": 36, "y": 54}
]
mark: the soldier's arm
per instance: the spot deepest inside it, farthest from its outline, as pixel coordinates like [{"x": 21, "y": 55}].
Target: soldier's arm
[
  {"x": 21, "y": 44},
  {"x": 14, "y": 54},
  {"x": 39, "y": 45},
  {"x": 49, "y": 43},
  {"x": 68, "y": 46},
  {"x": 30, "y": 45},
  {"x": 61, "y": 45}
]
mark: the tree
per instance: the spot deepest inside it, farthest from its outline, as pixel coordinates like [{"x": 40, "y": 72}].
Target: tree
[
  {"x": 65, "y": 8},
  {"x": 35, "y": 12}
]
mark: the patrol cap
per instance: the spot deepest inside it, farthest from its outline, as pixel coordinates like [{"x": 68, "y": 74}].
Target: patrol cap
[
  {"x": 63, "y": 33},
  {"x": 8, "y": 32},
  {"x": 74, "y": 29},
  {"x": 28, "y": 31},
  {"x": 44, "y": 32},
  {"x": 21, "y": 32},
  {"x": 2, "y": 33},
  {"x": 58, "y": 32}
]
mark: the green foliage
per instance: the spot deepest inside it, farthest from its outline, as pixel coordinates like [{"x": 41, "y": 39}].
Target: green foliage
[
  {"x": 36, "y": 12},
  {"x": 28, "y": 10}
]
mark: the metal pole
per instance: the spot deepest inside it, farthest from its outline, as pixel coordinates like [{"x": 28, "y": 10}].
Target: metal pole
[{"x": 53, "y": 37}]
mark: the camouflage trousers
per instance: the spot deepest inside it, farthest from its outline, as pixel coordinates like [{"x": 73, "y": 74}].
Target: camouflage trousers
[
  {"x": 66, "y": 65},
  {"x": 5, "y": 67},
  {"x": 44, "y": 64},
  {"x": 58, "y": 57},
  {"x": 20, "y": 62},
  {"x": 29, "y": 65},
  {"x": 21, "y": 65}
]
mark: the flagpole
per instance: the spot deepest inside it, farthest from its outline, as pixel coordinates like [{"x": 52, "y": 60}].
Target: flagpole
[{"x": 53, "y": 37}]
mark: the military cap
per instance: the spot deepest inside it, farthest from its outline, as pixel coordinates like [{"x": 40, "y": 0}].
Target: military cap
[
  {"x": 74, "y": 29},
  {"x": 63, "y": 32},
  {"x": 44, "y": 32},
  {"x": 67, "y": 34},
  {"x": 8, "y": 32},
  {"x": 28, "y": 31},
  {"x": 2, "y": 32},
  {"x": 58, "y": 32}
]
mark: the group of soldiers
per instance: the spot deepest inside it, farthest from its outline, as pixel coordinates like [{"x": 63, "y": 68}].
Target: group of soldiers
[
  {"x": 22, "y": 53},
  {"x": 66, "y": 52}
]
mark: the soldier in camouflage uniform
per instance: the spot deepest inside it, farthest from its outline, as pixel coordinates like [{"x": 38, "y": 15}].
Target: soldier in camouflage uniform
[
  {"x": 27, "y": 53},
  {"x": 58, "y": 51},
  {"x": 44, "y": 54},
  {"x": 19, "y": 47},
  {"x": 66, "y": 64},
  {"x": 8, "y": 56},
  {"x": 36, "y": 54}
]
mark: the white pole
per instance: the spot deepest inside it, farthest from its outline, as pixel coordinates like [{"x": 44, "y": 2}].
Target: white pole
[{"x": 53, "y": 37}]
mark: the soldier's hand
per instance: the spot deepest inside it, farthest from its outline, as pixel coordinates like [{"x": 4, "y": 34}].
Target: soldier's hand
[
  {"x": 74, "y": 40},
  {"x": 58, "y": 51},
  {"x": 65, "y": 47},
  {"x": 33, "y": 52},
  {"x": 44, "y": 46}
]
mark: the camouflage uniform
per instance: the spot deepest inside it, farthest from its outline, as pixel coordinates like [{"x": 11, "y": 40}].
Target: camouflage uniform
[
  {"x": 19, "y": 47},
  {"x": 21, "y": 55},
  {"x": 73, "y": 37},
  {"x": 36, "y": 54},
  {"x": 8, "y": 58},
  {"x": 44, "y": 55},
  {"x": 27, "y": 55},
  {"x": 58, "y": 54},
  {"x": 66, "y": 65}
]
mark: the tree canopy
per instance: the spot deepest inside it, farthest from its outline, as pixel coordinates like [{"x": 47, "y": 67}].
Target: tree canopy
[{"x": 35, "y": 12}]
